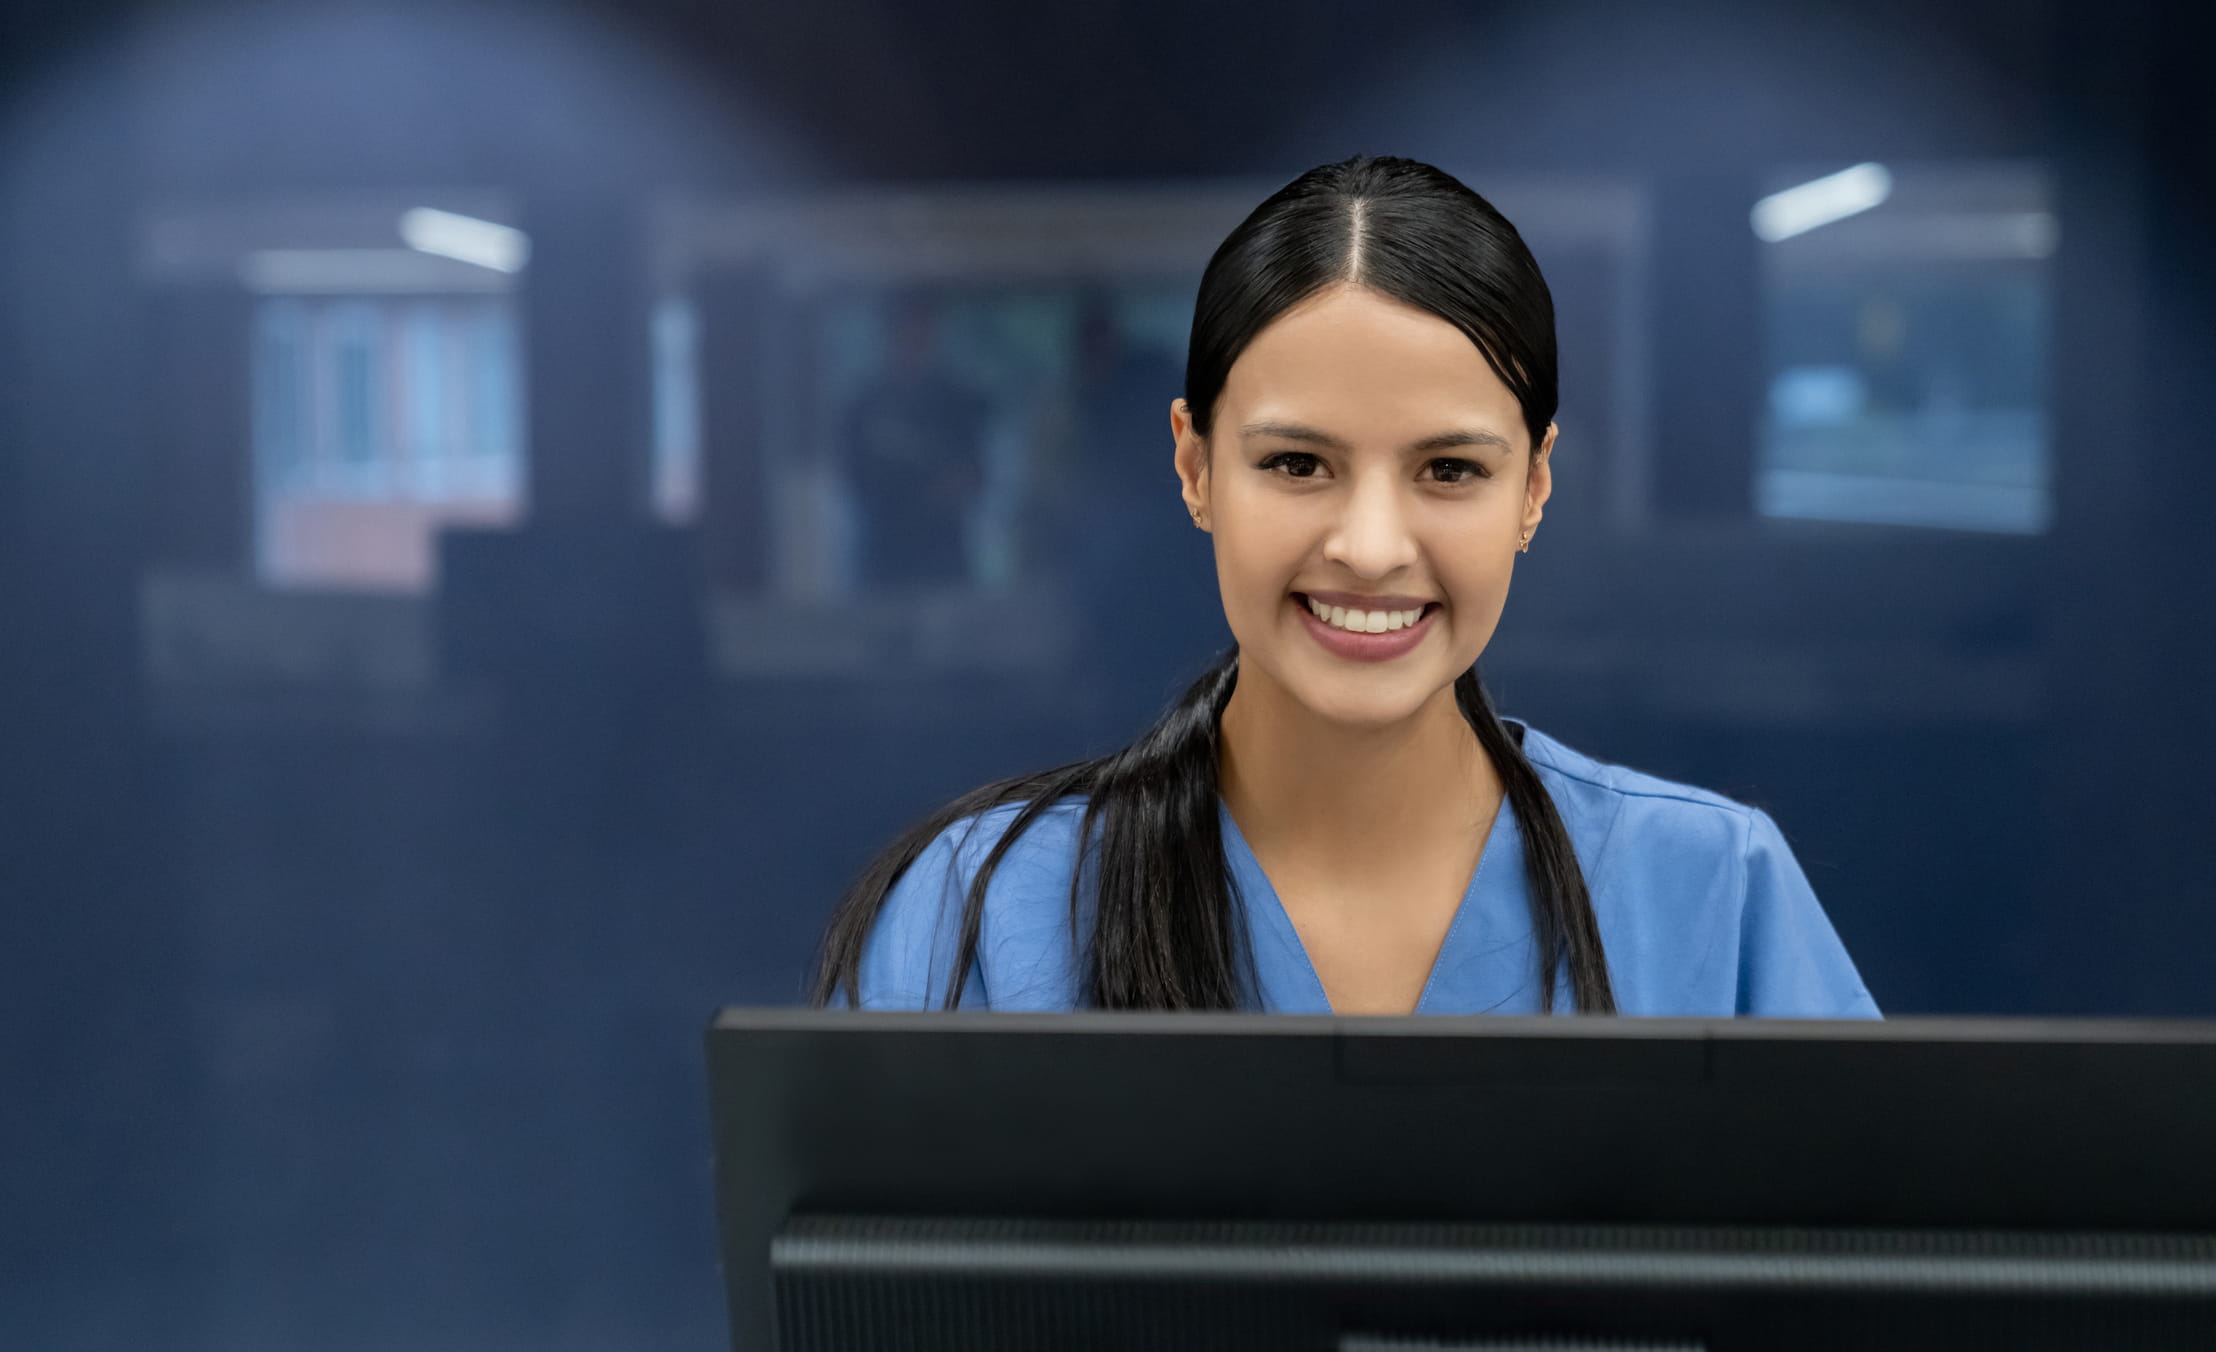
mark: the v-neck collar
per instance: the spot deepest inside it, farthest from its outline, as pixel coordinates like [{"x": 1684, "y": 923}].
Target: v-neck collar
[{"x": 1483, "y": 963}]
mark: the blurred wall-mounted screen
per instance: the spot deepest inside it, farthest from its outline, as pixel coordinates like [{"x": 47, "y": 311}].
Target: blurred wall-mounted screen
[{"x": 1906, "y": 309}]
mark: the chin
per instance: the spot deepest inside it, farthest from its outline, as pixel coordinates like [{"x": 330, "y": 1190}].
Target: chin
[{"x": 1365, "y": 702}]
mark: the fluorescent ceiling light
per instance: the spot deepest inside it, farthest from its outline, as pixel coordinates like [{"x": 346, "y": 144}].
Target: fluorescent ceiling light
[
  {"x": 1834, "y": 197},
  {"x": 502, "y": 248}
]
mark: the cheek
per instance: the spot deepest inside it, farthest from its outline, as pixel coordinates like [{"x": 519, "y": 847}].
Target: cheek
[
  {"x": 1470, "y": 556},
  {"x": 1257, "y": 555},
  {"x": 1478, "y": 587}
]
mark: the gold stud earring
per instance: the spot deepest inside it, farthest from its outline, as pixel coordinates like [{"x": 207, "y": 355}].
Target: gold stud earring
[
  {"x": 1523, "y": 546},
  {"x": 1196, "y": 514}
]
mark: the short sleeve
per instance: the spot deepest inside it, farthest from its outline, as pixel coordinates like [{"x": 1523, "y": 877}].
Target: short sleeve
[
  {"x": 909, "y": 955},
  {"x": 1791, "y": 962}
]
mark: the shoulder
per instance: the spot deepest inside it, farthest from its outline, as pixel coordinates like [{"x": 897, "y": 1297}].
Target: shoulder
[
  {"x": 1034, "y": 864},
  {"x": 1024, "y": 924},
  {"x": 1705, "y": 906},
  {"x": 1596, "y": 796},
  {"x": 1048, "y": 841},
  {"x": 1604, "y": 777}
]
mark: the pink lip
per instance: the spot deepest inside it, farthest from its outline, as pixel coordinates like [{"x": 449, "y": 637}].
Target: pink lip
[{"x": 1364, "y": 647}]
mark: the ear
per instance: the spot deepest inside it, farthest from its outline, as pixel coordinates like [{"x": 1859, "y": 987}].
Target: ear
[
  {"x": 1191, "y": 457},
  {"x": 1539, "y": 484}
]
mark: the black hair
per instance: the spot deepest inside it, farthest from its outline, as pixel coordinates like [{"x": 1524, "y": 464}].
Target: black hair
[{"x": 1166, "y": 930}]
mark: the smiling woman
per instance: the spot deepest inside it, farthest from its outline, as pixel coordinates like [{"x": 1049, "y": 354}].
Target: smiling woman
[{"x": 1333, "y": 819}]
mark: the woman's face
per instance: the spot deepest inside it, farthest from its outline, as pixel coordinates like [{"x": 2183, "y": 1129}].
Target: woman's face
[{"x": 1364, "y": 458}]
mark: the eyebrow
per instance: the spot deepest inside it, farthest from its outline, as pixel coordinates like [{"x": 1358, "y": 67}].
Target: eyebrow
[{"x": 1314, "y": 436}]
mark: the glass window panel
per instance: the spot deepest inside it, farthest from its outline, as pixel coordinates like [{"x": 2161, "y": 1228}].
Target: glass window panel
[{"x": 1907, "y": 347}]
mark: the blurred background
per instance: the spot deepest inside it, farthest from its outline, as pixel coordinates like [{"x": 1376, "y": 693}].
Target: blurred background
[{"x": 503, "y": 506}]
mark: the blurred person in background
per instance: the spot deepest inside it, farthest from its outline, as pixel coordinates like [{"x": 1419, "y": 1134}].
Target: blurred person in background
[
  {"x": 1110, "y": 527},
  {"x": 914, "y": 444}
]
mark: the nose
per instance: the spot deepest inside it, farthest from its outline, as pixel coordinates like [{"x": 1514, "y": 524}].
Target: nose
[{"x": 1372, "y": 536}]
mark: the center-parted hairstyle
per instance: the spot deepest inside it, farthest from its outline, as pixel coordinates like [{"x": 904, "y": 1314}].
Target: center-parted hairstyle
[{"x": 1167, "y": 926}]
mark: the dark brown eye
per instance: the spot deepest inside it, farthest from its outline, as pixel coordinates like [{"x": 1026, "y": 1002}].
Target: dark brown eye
[
  {"x": 1294, "y": 464},
  {"x": 1452, "y": 471}
]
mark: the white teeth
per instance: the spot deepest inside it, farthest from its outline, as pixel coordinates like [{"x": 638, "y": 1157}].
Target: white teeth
[{"x": 1364, "y": 621}]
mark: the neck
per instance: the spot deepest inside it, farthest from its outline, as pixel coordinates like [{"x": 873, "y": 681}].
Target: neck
[{"x": 1322, "y": 789}]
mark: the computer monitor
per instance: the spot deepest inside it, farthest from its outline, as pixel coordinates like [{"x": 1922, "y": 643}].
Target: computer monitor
[{"x": 1227, "y": 1181}]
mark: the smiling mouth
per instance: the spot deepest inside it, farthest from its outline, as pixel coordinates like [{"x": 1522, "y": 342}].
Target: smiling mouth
[{"x": 1364, "y": 621}]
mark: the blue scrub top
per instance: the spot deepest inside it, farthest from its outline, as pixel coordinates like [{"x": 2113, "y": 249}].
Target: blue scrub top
[{"x": 1703, "y": 912}]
